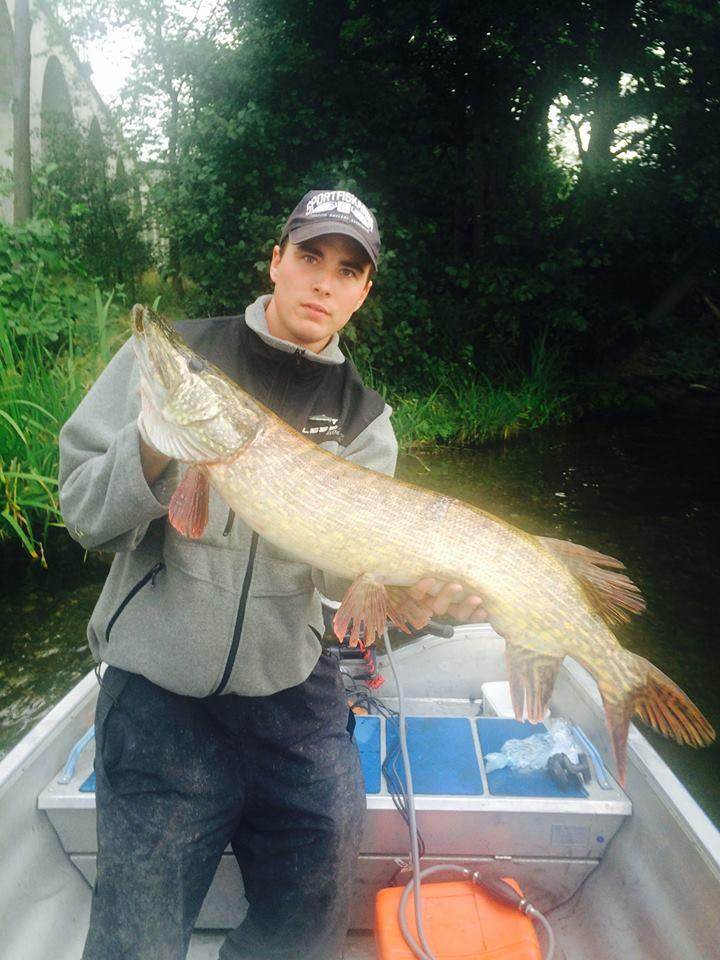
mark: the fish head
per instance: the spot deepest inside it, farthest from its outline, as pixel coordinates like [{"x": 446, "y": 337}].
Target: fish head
[{"x": 190, "y": 410}]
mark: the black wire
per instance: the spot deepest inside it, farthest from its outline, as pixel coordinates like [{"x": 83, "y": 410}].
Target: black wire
[
  {"x": 364, "y": 697},
  {"x": 101, "y": 684}
]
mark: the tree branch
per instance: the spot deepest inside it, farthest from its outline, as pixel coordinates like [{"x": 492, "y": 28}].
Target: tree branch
[{"x": 578, "y": 139}]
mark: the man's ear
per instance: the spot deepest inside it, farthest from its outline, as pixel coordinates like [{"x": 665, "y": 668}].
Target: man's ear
[
  {"x": 363, "y": 295},
  {"x": 275, "y": 262}
]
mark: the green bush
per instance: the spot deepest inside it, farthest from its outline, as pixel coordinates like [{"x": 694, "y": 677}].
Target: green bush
[
  {"x": 96, "y": 199},
  {"x": 43, "y": 287},
  {"x": 460, "y": 406},
  {"x": 56, "y": 332}
]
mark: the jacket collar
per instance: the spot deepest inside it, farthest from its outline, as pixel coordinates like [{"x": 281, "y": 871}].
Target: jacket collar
[{"x": 257, "y": 322}]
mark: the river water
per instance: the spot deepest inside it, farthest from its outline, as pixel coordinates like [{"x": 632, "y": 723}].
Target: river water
[{"x": 643, "y": 490}]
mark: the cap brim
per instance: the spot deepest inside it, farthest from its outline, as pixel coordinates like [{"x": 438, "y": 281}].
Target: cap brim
[{"x": 325, "y": 227}]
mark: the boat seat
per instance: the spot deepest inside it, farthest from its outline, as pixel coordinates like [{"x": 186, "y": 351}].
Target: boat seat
[{"x": 504, "y": 823}]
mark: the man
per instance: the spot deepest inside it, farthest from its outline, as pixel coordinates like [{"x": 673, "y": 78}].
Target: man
[{"x": 219, "y": 720}]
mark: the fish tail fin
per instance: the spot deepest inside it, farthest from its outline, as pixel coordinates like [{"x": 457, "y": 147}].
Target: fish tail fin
[
  {"x": 657, "y": 701},
  {"x": 663, "y": 705}
]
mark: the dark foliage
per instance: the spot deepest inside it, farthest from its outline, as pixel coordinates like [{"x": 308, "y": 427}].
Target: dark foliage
[
  {"x": 96, "y": 199},
  {"x": 495, "y": 235}
]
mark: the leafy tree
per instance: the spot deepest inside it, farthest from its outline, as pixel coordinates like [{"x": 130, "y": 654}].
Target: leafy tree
[
  {"x": 153, "y": 99},
  {"x": 437, "y": 114},
  {"x": 100, "y": 206}
]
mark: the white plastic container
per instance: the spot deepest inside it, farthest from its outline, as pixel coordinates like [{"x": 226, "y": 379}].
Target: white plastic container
[{"x": 497, "y": 701}]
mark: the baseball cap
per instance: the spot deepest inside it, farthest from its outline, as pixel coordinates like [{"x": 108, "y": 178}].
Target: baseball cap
[{"x": 333, "y": 211}]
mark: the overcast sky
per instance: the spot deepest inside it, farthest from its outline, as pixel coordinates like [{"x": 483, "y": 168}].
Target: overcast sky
[
  {"x": 111, "y": 60},
  {"x": 111, "y": 63}
]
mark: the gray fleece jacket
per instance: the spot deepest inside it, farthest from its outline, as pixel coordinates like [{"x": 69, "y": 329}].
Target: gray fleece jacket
[{"x": 228, "y": 613}]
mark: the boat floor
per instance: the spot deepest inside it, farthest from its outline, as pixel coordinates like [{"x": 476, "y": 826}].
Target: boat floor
[{"x": 360, "y": 945}]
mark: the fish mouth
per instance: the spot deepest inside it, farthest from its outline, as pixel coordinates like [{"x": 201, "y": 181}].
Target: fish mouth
[
  {"x": 137, "y": 316},
  {"x": 155, "y": 346},
  {"x": 190, "y": 409}
]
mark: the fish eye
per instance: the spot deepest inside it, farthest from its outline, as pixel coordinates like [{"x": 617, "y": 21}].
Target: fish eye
[{"x": 196, "y": 364}]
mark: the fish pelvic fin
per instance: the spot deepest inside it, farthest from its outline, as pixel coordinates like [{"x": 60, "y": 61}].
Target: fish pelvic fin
[
  {"x": 657, "y": 701},
  {"x": 189, "y": 504},
  {"x": 368, "y": 604},
  {"x": 611, "y": 593},
  {"x": 532, "y": 679}
]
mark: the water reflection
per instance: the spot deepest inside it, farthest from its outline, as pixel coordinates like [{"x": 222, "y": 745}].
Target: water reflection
[{"x": 43, "y": 650}]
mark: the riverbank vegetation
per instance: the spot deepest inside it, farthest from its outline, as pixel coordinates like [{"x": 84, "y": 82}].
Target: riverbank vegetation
[
  {"x": 547, "y": 184},
  {"x": 54, "y": 338},
  {"x": 58, "y": 330}
]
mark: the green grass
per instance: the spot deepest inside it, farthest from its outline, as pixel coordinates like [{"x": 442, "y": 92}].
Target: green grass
[
  {"x": 41, "y": 383},
  {"x": 159, "y": 294},
  {"x": 466, "y": 408},
  {"x": 40, "y": 387},
  {"x": 36, "y": 389}
]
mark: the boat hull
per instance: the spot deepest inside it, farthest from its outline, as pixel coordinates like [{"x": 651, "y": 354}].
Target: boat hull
[{"x": 45, "y": 892}]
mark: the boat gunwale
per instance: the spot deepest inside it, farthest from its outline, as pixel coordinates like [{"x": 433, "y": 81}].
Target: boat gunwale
[
  {"x": 665, "y": 784},
  {"x": 42, "y": 733}
]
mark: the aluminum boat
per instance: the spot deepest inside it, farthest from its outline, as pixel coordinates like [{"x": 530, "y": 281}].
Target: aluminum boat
[{"x": 630, "y": 873}]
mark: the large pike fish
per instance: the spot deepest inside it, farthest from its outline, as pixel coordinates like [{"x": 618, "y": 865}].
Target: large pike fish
[{"x": 547, "y": 598}]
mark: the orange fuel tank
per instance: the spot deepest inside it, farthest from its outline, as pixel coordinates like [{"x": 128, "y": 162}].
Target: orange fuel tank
[{"x": 461, "y": 922}]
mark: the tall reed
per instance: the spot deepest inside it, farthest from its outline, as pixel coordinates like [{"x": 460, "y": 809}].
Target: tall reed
[
  {"x": 465, "y": 407},
  {"x": 39, "y": 389}
]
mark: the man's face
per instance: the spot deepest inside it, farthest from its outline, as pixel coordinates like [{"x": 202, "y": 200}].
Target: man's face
[{"x": 319, "y": 284}]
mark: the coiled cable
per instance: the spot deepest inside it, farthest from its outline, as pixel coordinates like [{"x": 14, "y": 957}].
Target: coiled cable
[{"x": 497, "y": 888}]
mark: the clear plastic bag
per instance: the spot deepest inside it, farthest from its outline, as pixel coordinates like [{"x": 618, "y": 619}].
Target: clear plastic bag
[{"x": 533, "y": 752}]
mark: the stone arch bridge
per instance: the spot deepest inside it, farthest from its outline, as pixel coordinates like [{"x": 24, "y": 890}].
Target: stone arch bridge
[{"x": 60, "y": 86}]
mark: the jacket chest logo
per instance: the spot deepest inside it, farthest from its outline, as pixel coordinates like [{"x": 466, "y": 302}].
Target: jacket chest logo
[{"x": 321, "y": 424}]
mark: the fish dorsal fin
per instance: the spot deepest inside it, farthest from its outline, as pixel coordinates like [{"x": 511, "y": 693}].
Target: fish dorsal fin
[
  {"x": 188, "y": 510},
  {"x": 611, "y": 593}
]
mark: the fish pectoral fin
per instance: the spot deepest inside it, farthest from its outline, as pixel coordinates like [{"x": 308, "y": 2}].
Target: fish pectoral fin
[
  {"x": 188, "y": 510},
  {"x": 611, "y": 593},
  {"x": 368, "y": 604},
  {"x": 532, "y": 679}
]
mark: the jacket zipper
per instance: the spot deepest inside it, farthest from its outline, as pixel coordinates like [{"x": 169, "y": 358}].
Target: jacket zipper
[
  {"x": 296, "y": 355},
  {"x": 150, "y": 575},
  {"x": 240, "y": 618}
]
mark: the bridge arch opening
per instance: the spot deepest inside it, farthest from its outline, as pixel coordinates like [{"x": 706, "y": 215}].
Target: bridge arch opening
[{"x": 56, "y": 117}]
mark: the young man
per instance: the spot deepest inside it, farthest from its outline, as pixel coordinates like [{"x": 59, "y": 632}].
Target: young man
[{"x": 219, "y": 721}]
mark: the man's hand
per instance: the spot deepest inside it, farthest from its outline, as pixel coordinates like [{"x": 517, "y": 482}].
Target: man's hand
[
  {"x": 439, "y": 597},
  {"x": 153, "y": 462}
]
